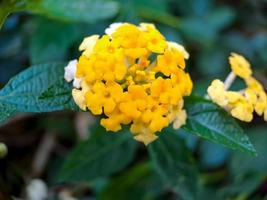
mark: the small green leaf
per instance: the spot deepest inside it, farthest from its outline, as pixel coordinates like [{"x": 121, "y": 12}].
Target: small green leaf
[
  {"x": 207, "y": 120},
  {"x": 101, "y": 155},
  {"x": 173, "y": 161},
  {"x": 40, "y": 88}
]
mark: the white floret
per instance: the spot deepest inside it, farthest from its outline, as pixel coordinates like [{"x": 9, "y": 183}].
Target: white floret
[
  {"x": 70, "y": 71},
  {"x": 112, "y": 28},
  {"x": 178, "y": 47}
]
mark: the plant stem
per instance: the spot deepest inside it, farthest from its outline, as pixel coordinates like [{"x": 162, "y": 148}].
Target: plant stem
[{"x": 229, "y": 80}]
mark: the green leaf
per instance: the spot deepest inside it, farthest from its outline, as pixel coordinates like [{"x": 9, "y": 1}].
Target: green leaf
[
  {"x": 88, "y": 11},
  {"x": 6, "y": 111},
  {"x": 173, "y": 161},
  {"x": 101, "y": 155},
  {"x": 51, "y": 40},
  {"x": 207, "y": 120},
  {"x": 140, "y": 182},
  {"x": 40, "y": 88}
]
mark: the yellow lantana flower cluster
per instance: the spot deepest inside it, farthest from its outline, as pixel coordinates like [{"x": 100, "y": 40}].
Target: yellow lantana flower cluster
[
  {"x": 241, "y": 104},
  {"x": 133, "y": 76}
]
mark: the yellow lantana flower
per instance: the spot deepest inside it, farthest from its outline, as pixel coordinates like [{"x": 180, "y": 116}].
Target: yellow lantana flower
[
  {"x": 133, "y": 76},
  {"x": 241, "y": 104}
]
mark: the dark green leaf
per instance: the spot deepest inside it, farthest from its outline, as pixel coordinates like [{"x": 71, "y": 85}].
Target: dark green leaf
[
  {"x": 140, "y": 182},
  {"x": 99, "y": 156},
  {"x": 40, "y": 88},
  {"x": 211, "y": 122},
  {"x": 173, "y": 162}
]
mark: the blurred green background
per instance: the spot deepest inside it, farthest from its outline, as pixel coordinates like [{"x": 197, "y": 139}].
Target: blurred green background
[{"x": 46, "y": 31}]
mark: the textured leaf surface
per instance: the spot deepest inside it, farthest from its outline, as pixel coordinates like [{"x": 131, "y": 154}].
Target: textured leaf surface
[
  {"x": 207, "y": 120},
  {"x": 100, "y": 156},
  {"x": 173, "y": 162},
  {"x": 6, "y": 111},
  {"x": 40, "y": 88}
]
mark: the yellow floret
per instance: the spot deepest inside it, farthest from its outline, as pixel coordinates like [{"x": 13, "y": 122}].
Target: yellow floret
[
  {"x": 240, "y": 66},
  {"x": 173, "y": 46},
  {"x": 243, "y": 111},
  {"x": 88, "y": 45},
  {"x": 79, "y": 95},
  {"x": 179, "y": 119},
  {"x": 217, "y": 93},
  {"x": 142, "y": 133},
  {"x": 260, "y": 98}
]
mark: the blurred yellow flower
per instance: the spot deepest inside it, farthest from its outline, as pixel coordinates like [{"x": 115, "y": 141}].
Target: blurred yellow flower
[
  {"x": 241, "y": 104},
  {"x": 133, "y": 76},
  {"x": 240, "y": 66}
]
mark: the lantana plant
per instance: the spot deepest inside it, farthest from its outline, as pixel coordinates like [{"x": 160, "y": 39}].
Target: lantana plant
[{"x": 132, "y": 76}]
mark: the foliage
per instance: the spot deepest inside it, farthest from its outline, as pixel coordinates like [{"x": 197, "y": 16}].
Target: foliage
[
  {"x": 99, "y": 156},
  {"x": 197, "y": 161}
]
